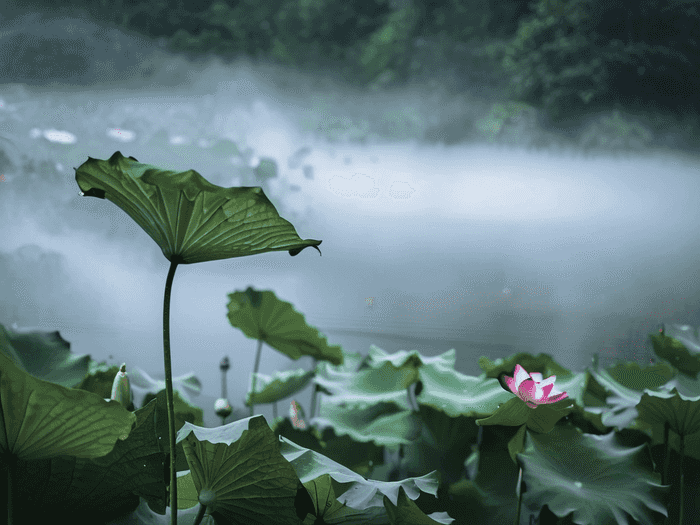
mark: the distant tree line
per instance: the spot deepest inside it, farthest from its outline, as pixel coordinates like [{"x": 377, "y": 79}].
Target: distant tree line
[{"x": 565, "y": 57}]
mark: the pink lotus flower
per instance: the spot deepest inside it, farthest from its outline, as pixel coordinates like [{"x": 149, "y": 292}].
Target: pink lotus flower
[{"x": 531, "y": 389}]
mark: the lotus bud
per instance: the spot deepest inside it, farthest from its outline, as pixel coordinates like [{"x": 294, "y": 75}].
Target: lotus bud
[
  {"x": 296, "y": 413},
  {"x": 222, "y": 407},
  {"x": 121, "y": 388}
]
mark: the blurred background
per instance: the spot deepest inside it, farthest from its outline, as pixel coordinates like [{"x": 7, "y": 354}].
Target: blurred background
[{"x": 490, "y": 176}]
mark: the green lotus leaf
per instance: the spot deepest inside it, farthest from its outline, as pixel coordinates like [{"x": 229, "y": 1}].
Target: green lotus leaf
[
  {"x": 445, "y": 444},
  {"x": 632, "y": 375},
  {"x": 45, "y": 355},
  {"x": 40, "y": 420},
  {"x": 280, "y": 386},
  {"x": 542, "y": 363},
  {"x": 406, "y": 511},
  {"x": 261, "y": 315},
  {"x": 377, "y": 357},
  {"x": 541, "y": 419},
  {"x": 680, "y": 346},
  {"x": 384, "y": 424},
  {"x": 682, "y": 413},
  {"x": 239, "y": 473},
  {"x": 187, "y": 495},
  {"x": 99, "y": 487},
  {"x": 373, "y": 385},
  {"x": 457, "y": 394},
  {"x": 590, "y": 476},
  {"x": 361, "y": 494},
  {"x": 191, "y": 219}
]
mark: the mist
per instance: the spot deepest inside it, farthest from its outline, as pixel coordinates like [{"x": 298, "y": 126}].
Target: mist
[{"x": 489, "y": 249}]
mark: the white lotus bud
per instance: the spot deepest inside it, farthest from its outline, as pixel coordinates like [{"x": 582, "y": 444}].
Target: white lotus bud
[
  {"x": 121, "y": 388},
  {"x": 222, "y": 407}
]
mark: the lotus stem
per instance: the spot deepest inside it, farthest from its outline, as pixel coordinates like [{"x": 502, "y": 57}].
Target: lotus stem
[
  {"x": 224, "y": 365},
  {"x": 667, "y": 450},
  {"x": 519, "y": 492},
  {"x": 11, "y": 469},
  {"x": 169, "y": 391},
  {"x": 255, "y": 371},
  {"x": 681, "y": 483},
  {"x": 314, "y": 393},
  {"x": 200, "y": 514},
  {"x": 313, "y": 401},
  {"x": 274, "y": 410}
]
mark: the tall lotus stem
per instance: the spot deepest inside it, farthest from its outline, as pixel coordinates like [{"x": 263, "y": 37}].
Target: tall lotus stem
[
  {"x": 255, "y": 371},
  {"x": 681, "y": 482},
  {"x": 519, "y": 493},
  {"x": 11, "y": 466},
  {"x": 274, "y": 410},
  {"x": 222, "y": 408},
  {"x": 667, "y": 453},
  {"x": 169, "y": 391},
  {"x": 313, "y": 400},
  {"x": 314, "y": 393},
  {"x": 224, "y": 365}
]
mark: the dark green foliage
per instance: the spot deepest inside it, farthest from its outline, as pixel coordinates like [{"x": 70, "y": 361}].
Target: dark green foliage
[
  {"x": 576, "y": 55},
  {"x": 569, "y": 58}
]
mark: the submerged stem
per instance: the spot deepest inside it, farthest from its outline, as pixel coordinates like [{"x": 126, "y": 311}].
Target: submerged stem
[
  {"x": 169, "y": 391},
  {"x": 255, "y": 371}
]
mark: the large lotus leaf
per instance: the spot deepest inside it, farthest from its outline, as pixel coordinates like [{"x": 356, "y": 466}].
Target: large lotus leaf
[
  {"x": 352, "y": 363},
  {"x": 191, "y": 219},
  {"x": 540, "y": 419},
  {"x": 680, "y": 346},
  {"x": 239, "y": 473},
  {"x": 370, "y": 386},
  {"x": 261, "y": 315},
  {"x": 99, "y": 487},
  {"x": 457, "y": 394},
  {"x": 362, "y": 458},
  {"x": 680, "y": 412},
  {"x": 543, "y": 363},
  {"x": 632, "y": 375},
  {"x": 40, "y": 420},
  {"x": 412, "y": 359},
  {"x": 279, "y": 386},
  {"x": 621, "y": 401},
  {"x": 145, "y": 516},
  {"x": 444, "y": 445},
  {"x": 496, "y": 477},
  {"x": 360, "y": 493},
  {"x": 408, "y": 512},
  {"x": 382, "y": 423},
  {"x": 184, "y": 413},
  {"x": 590, "y": 476},
  {"x": 143, "y": 385},
  {"x": 45, "y": 355}
]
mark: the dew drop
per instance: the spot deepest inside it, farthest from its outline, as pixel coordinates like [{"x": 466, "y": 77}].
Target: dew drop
[{"x": 578, "y": 484}]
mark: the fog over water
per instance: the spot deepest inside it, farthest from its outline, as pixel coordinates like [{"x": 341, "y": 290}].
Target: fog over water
[{"x": 486, "y": 249}]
